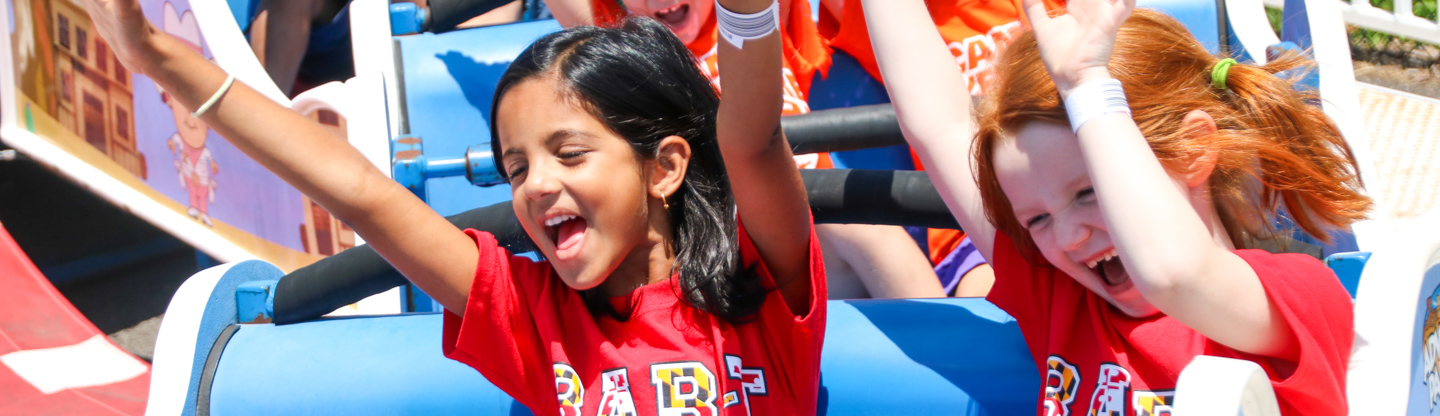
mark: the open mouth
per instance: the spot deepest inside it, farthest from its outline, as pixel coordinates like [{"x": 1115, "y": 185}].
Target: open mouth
[
  {"x": 674, "y": 15},
  {"x": 1110, "y": 270},
  {"x": 567, "y": 231}
]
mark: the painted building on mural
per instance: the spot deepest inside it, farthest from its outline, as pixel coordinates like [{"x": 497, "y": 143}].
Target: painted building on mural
[{"x": 94, "y": 97}]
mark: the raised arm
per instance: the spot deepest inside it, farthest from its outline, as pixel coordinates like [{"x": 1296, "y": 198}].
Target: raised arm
[
  {"x": 768, "y": 191},
  {"x": 571, "y": 13},
  {"x": 420, "y": 243},
  {"x": 933, "y": 104},
  {"x": 1179, "y": 264}
]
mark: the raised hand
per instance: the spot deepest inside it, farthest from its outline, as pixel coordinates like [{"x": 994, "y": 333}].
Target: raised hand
[
  {"x": 1076, "y": 46},
  {"x": 130, "y": 36}
]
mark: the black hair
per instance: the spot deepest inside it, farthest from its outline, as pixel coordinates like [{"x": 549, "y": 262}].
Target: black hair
[{"x": 644, "y": 85}]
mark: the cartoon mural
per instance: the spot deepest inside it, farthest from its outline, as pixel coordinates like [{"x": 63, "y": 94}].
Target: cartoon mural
[
  {"x": 72, "y": 94},
  {"x": 192, "y": 159},
  {"x": 95, "y": 99},
  {"x": 1429, "y": 347}
]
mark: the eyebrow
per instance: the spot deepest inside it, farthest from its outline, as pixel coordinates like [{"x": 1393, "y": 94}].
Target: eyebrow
[{"x": 556, "y": 135}]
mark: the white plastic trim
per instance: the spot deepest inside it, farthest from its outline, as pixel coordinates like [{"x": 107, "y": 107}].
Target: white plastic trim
[
  {"x": 170, "y": 374},
  {"x": 230, "y": 49},
  {"x": 1251, "y": 26},
  {"x": 1340, "y": 97},
  {"x": 374, "y": 51},
  {"x": 1211, "y": 386},
  {"x": 1380, "y": 368}
]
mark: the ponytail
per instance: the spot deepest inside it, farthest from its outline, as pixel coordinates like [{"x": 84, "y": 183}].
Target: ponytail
[{"x": 1300, "y": 158}]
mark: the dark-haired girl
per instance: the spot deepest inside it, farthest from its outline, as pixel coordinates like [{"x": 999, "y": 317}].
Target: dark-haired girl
[
  {"x": 861, "y": 260},
  {"x": 653, "y": 298},
  {"x": 1117, "y": 178}
]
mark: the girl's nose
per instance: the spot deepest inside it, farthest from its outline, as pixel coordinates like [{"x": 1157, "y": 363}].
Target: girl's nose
[
  {"x": 1070, "y": 233},
  {"x": 539, "y": 184}
]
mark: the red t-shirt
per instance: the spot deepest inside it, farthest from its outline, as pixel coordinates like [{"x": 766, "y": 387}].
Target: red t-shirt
[
  {"x": 805, "y": 52},
  {"x": 534, "y": 338},
  {"x": 1094, "y": 359}
]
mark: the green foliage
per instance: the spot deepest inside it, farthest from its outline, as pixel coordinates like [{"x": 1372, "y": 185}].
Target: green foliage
[
  {"x": 1275, "y": 16},
  {"x": 1425, "y": 9},
  {"x": 1422, "y": 8}
]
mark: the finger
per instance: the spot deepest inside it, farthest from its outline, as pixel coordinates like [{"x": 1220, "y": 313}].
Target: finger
[
  {"x": 1129, "y": 7},
  {"x": 1035, "y": 11}
]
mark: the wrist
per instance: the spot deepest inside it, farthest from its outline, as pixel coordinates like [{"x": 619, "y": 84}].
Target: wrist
[
  {"x": 153, "y": 51},
  {"x": 738, "y": 26},
  {"x": 1067, "y": 84},
  {"x": 1094, "y": 98},
  {"x": 745, "y": 6}
]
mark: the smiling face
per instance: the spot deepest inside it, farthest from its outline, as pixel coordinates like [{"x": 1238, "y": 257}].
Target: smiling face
[
  {"x": 579, "y": 189},
  {"x": 684, "y": 17},
  {"x": 192, "y": 130},
  {"x": 1049, "y": 187}
]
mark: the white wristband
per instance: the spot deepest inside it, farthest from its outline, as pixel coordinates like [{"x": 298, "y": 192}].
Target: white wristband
[
  {"x": 215, "y": 97},
  {"x": 737, "y": 28},
  {"x": 1094, "y": 98}
]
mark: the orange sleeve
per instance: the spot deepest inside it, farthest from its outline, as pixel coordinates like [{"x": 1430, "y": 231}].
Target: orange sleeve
[{"x": 805, "y": 50}]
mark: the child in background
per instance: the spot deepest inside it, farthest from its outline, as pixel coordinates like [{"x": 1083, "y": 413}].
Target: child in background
[
  {"x": 861, "y": 260},
  {"x": 654, "y": 299},
  {"x": 1121, "y": 243},
  {"x": 976, "y": 33}
]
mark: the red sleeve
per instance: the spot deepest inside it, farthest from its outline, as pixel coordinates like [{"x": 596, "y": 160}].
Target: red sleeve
[
  {"x": 1026, "y": 292},
  {"x": 497, "y": 335},
  {"x": 1022, "y": 289},
  {"x": 1320, "y": 313},
  {"x": 796, "y": 340}
]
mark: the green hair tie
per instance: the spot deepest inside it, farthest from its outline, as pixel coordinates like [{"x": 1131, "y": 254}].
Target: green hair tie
[{"x": 1220, "y": 72}]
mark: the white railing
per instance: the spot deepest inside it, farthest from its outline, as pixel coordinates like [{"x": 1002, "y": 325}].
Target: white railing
[{"x": 1401, "y": 22}]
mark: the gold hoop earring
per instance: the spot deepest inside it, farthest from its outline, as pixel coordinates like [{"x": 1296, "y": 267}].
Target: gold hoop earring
[{"x": 667, "y": 203}]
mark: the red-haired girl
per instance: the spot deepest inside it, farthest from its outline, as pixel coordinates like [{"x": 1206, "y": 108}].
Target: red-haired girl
[{"x": 1119, "y": 233}]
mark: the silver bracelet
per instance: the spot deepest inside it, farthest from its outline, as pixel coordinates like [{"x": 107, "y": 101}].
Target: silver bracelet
[
  {"x": 214, "y": 98},
  {"x": 737, "y": 28},
  {"x": 1094, "y": 98}
]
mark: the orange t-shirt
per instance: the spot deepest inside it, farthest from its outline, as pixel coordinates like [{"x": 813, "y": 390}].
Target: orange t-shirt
[
  {"x": 805, "y": 53},
  {"x": 975, "y": 30}
]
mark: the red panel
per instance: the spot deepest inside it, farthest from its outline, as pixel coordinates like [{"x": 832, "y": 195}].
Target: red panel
[{"x": 34, "y": 315}]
